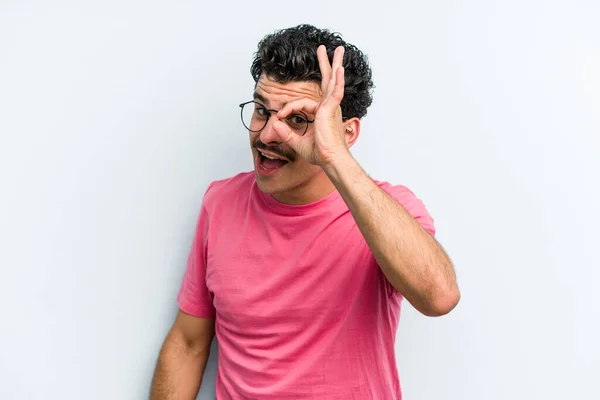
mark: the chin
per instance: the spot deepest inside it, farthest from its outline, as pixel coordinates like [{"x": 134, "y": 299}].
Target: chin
[{"x": 268, "y": 186}]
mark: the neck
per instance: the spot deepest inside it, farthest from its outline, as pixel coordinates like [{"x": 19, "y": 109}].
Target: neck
[{"x": 316, "y": 189}]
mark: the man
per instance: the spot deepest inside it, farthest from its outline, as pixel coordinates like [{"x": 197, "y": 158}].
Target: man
[{"x": 300, "y": 266}]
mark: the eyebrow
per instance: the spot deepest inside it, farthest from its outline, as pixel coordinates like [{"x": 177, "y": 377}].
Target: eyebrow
[
  {"x": 258, "y": 96},
  {"x": 263, "y": 99}
]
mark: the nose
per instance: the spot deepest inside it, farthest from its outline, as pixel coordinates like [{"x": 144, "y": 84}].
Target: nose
[{"x": 268, "y": 134}]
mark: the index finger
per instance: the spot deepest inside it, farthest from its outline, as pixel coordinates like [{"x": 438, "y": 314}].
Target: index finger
[{"x": 304, "y": 105}]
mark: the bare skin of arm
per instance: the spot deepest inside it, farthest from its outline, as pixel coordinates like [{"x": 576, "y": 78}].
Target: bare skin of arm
[
  {"x": 411, "y": 259},
  {"x": 183, "y": 358}
]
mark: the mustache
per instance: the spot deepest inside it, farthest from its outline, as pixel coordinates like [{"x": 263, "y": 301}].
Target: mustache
[{"x": 279, "y": 150}]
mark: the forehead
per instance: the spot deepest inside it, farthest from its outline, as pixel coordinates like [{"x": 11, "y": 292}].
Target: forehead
[{"x": 277, "y": 94}]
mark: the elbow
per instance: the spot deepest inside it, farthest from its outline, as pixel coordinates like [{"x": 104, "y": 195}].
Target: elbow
[{"x": 442, "y": 303}]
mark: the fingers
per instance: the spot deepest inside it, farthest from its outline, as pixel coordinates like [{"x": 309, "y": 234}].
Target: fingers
[
  {"x": 332, "y": 85},
  {"x": 332, "y": 103},
  {"x": 325, "y": 68},
  {"x": 338, "y": 58},
  {"x": 289, "y": 137},
  {"x": 309, "y": 106},
  {"x": 305, "y": 105},
  {"x": 338, "y": 91}
]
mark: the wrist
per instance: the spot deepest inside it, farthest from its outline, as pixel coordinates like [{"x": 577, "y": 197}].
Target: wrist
[{"x": 340, "y": 167}]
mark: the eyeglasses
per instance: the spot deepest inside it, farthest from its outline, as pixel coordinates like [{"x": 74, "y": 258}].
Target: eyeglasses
[{"x": 255, "y": 117}]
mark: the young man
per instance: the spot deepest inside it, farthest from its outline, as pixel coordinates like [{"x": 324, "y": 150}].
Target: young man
[{"x": 300, "y": 266}]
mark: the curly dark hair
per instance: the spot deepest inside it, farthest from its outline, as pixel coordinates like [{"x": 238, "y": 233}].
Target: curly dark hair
[{"x": 290, "y": 54}]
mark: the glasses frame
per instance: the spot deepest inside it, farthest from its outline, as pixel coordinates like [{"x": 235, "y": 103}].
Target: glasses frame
[{"x": 269, "y": 112}]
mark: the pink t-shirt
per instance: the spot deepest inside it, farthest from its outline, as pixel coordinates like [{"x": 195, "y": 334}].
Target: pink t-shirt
[{"x": 302, "y": 309}]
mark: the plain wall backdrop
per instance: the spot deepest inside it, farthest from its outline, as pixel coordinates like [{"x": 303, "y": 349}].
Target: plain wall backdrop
[{"x": 116, "y": 115}]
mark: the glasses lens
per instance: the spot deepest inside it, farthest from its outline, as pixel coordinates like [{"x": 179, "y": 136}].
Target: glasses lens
[
  {"x": 254, "y": 116},
  {"x": 298, "y": 123}
]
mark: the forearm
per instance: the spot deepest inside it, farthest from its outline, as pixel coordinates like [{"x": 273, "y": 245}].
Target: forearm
[
  {"x": 411, "y": 259},
  {"x": 179, "y": 370}
]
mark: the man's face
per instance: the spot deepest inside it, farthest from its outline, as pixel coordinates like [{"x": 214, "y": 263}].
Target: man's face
[{"x": 289, "y": 181}]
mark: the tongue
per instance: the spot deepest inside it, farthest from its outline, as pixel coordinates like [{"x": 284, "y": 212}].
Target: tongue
[{"x": 272, "y": 164}]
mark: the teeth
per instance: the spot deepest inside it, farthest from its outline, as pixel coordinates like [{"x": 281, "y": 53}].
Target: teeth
[{"x": 271, "y": 157}]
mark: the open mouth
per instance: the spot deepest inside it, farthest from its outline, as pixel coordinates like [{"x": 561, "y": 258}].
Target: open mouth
[{"x": 270, "y": 161}]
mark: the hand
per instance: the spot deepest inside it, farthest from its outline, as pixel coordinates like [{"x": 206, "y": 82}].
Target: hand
[{"x": 326, "y": 142}]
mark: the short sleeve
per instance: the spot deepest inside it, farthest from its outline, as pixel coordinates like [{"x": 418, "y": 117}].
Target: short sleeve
[
  {"x": 414, "y": 206},
  {"x": 194, "y": 298}
]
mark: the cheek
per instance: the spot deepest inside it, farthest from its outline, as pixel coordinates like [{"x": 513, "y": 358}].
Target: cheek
[
  {"x": 253, "y": 137},
  {"x": 304, "y": 168}
]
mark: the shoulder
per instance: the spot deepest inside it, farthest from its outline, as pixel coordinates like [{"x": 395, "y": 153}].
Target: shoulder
[
  {"x": 398, "y": 192},
  {"x": 411, "y": 203},
  {"x": 232, "y": 188}
]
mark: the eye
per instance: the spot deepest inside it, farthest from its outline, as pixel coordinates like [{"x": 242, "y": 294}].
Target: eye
[
  {"x": 260, "y": 111},
  {"x": 297, "y": 121}
]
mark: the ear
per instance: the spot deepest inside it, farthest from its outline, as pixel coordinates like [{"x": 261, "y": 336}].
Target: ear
[{"x": 351, "y": 131}]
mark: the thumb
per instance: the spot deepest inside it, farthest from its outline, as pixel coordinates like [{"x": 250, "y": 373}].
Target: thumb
[{"x": 289, "y": 137}]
